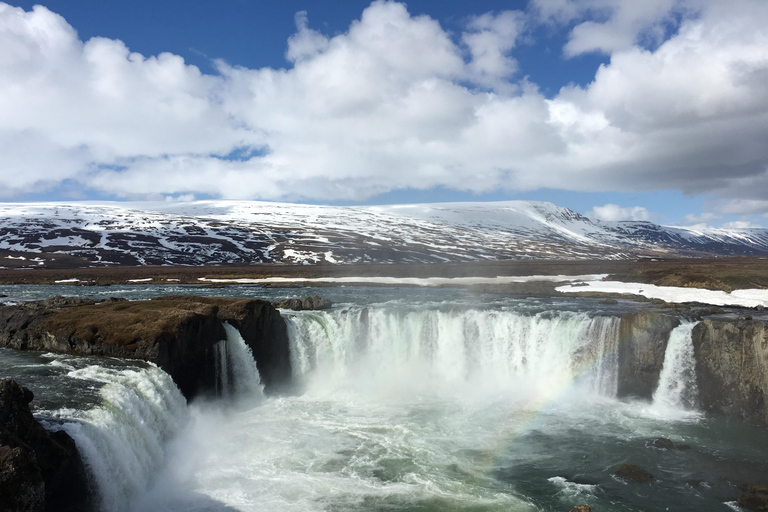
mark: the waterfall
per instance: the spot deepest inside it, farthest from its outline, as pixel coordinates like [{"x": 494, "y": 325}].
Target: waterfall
[
  {"x": 236, "y": 372},
  {"x": 677, "y": 382},
  {"x": 417, "y": 350},
  {"x": 122, "y": 441}
]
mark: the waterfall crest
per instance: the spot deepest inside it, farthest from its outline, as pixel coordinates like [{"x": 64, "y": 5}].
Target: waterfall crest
[
  {"x": 436, "y": 349},
  {"x": 122, "y": 441},
  {"x": 677, "y": 382}
]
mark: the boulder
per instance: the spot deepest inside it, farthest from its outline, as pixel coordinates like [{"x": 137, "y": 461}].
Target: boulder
[
  {"x": 633, "y": 472},
  {"x": 663, "y": 443},
  {"x": 314, "y": 302},
  {"x": 754, "y": 500},
  {"x": 581, "y": 508},
  {"x": 39, "y": 470}
]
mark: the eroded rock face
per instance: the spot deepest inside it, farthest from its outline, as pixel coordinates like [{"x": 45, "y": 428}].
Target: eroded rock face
[
  {"x": 643, "y": 340},
  {"x": 39, "y": 470},
  {"x": 732, "y": 368},
  {"x": 314, "y": 302},
  {"x": 175, "y": 332}
]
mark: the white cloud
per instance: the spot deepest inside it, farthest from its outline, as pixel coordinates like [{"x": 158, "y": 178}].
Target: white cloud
[
  {"x": 613, "y": 212},
  {"x": 616, "y": 25},
  {"x": 490, "y": 39},
  {"x": 394, "y": 102},
  {"x": 740, "y": 224}
]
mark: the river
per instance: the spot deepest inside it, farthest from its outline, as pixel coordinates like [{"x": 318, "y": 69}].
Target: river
[{"x": 407, "y": 400}]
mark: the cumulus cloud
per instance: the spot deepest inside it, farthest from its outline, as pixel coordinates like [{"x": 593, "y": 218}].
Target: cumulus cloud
[
  {"x": 395, "y": 101},
  {"x": 614, "y": 212},
  {"x": 619, "y": 24}
]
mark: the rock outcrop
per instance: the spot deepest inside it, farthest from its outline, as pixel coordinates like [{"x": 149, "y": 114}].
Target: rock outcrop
[
  {"x": 175, "y": 332},
  {"x": 732, "y": 368},
  {"x": 755, "y": 497},
  {"x": 39, "y": 470},
  {"x": 314, "y": 302},
  {"x": 643, "y": 340}
]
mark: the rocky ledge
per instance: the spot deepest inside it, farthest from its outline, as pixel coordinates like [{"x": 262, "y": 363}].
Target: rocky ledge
[
  {"x": 311, "y": 303},
  {"x": 39, "y": 470},
  {"x": 731, "y": 360},
  {"x": 732, "y": 367},
  {"x": 174, "y": 332}
]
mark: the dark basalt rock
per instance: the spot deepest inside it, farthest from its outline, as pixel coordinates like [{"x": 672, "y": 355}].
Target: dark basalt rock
[
  {"x": 756, "y": 497},
  {"x": 642, "y": 343},
  {"x": 39, "y": 470},
  {"x": 175, "y": 332},
  {"x": 663, "y": 443},
  {"x": 633, "y": 472},
  {"x": 730, "y": 368},
  {"x": 314, "y": 302}
]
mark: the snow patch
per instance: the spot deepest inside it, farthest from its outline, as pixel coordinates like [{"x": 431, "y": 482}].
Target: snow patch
[
  {"x": 409, "y": 281},
  {"x": 748, "y": 298}
]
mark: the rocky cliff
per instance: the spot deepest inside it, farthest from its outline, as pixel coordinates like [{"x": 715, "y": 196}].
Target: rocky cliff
[
  {"x": 732, "y": 368},
  {"x": 643, "y": 340},
  {"x": 731, "y": 361},
  {"x": 174, "y": 332},
  {"x": 39, "y": 470}
]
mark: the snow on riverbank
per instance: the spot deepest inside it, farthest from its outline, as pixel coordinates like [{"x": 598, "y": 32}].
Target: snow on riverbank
[
  {"x": 747, "y": 298},
  {"x": 411, "y": 281}
]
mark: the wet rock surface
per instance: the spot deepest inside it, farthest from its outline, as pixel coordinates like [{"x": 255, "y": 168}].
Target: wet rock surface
[
  {"x": 39, "y": 470},
  {"x": 633, "y": 472},
  {"x": 663, "y": 443},
  {"x": 755, "y": 497}
]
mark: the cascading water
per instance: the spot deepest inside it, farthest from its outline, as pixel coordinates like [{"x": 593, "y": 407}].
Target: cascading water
[
  {"x": 388, "y": 420},
  {"x": 122, "y": 441},
  {"x": 418, "y": 350},
  {"x": 677, "y": 383},
  {"x": 236, "y": 373}
]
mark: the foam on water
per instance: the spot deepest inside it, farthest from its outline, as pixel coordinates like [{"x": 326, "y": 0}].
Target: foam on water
[
  {"x": 122, "y": 441},
  {"x": 394, "y": 351},
  {"x": 237, "y": 376}
]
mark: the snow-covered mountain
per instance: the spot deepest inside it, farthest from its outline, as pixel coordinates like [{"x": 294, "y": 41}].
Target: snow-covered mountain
[{"x": 214, "y": 232}]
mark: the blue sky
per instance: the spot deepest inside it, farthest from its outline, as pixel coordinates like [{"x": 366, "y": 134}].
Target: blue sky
[{"x": 653, "y": 110}]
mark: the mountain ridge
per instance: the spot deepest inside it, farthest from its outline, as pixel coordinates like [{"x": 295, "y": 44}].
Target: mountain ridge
[{"x": 235, "y": 232}]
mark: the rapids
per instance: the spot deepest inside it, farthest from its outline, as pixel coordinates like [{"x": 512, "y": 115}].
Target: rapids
[{"x": 444, "y": 402}]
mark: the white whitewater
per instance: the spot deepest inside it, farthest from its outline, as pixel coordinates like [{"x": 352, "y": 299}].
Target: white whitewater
[
  {"x": 236, "y": 373},
  {"x": 123, "y": 441},
  {"x": 677, "y": 383},
  {"x": 386, "y": 350}
]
